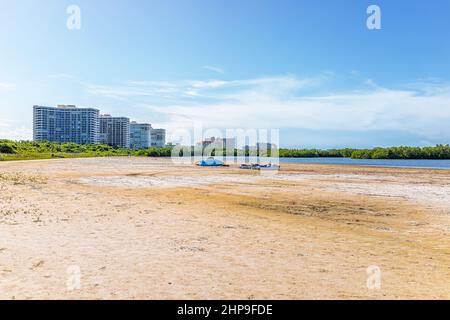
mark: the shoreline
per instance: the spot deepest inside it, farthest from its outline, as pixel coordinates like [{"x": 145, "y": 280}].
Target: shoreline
[{"x": 284, "y": 162}]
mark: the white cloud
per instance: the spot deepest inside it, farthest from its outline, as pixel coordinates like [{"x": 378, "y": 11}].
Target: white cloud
[
  {"x": 379, "y": 109},
  {"x": 215, "y": 89},
  {"x": 421, "y": 108},
  {"x": 214, "y": 69},
  {"x": 5, "y": 86}
]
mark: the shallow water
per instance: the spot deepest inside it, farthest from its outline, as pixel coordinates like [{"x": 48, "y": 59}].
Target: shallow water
[
  {"x": 435, "y": 164},
  {"x": 432, "y": 164}
]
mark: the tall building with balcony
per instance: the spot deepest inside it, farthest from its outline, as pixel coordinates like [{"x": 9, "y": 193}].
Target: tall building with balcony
[
  {"x": 140, "y": 135},
  {"x": 115, "y": 131},
  {"x": 66, "y": 123},
  {"x": 158, "y": 138}
]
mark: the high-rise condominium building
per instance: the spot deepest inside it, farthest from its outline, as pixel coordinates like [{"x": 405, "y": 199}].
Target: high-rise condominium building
[
  {"x": 158, "y": 138},
  {"x": 66, "y": 123},
  {"x": 140, "y": 135},
  {"x": 115, "y": 131}
]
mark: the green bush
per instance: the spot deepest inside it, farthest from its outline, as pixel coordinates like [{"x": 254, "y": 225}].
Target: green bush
[
  {"x": 5, "y": 148},
  {"x": 27, "y": 150}
]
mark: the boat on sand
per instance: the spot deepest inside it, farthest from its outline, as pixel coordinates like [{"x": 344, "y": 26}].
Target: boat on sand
[
  {"x": 211, "y": 162},
  {"x": 257, "y": 166}
]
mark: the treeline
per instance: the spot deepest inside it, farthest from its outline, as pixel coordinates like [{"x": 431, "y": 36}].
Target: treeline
[
  {"x": 438, "y": 152},
  {"x": 315, "y": 153},
  {"x": 26, "y": 150},
  {"x": 23, "y": 150},
  {"x": 154, "y": 152},
  {"x": 441, "y": 152},
  {"x": 199, "y": 151}
]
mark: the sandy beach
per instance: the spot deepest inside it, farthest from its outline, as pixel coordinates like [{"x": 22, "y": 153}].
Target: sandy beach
[{"x": 142, "y": 228}]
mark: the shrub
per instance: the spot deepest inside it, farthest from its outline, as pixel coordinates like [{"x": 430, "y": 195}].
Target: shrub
[{"x": 5, "y": 148}]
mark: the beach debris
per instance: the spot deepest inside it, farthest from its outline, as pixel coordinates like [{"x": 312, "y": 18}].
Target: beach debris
[{"x": 37, "y": 264}]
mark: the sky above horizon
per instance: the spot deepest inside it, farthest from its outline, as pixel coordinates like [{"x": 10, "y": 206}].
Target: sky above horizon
[{"x": 309, "y": 68}]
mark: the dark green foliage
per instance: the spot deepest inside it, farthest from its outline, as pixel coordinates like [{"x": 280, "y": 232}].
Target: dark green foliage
[
  {"x": 154, "y": 152},
  {"x": 6, "y": 148},
  {"x": 437, "y": 152},
  {"x": 27, "y": 150},
  {"x": 313, "y": 153}
]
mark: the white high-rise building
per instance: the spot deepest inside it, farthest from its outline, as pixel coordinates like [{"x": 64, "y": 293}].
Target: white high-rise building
[
  {"x": 115, "y": 131},
  {"x": 66, "y": 123},
  {"x": 140, "y": 135},
  {"x": 158, "y": 138}
]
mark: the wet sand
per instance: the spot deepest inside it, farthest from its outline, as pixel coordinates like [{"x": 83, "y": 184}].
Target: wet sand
[{"x": 148, "y": 229}]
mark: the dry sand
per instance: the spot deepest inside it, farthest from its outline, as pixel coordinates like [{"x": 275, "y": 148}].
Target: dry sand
[{"x": 148, "y": 229}]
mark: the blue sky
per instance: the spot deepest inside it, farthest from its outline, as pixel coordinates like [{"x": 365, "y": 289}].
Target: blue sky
[{"x": 309, "y": 68}]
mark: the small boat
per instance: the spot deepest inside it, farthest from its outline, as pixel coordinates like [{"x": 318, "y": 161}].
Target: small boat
[
  {"x": 269, "y": 166},
  {"x": 248, "y": 166},
  {"x": 211, "y": 162},
  {"x": 257, "y": 166}
]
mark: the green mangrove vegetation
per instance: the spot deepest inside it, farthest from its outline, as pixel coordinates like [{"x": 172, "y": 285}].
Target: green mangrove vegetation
[
  {"x": 33, "y": 150},
  {"x": 437, "y": 152},
  {"x": 29, "y": 150}
]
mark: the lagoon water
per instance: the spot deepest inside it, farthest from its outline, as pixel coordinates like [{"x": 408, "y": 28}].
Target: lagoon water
[
  {"x": 434, "y": 164},
  {"x": 400, "y": 163}
]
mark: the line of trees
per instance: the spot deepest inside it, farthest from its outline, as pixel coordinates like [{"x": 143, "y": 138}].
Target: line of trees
[
  {"x": 315, "y": 153},
  {"x": 437, "y": 152},
  {"x": 154, "y": 152},
  {"x": 15, "y": 150}
]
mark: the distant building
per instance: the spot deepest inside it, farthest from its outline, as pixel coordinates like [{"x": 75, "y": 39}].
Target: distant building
[
  {"x": 115, "y": 131},
  {"x": 140, "y": 135},
  {"x": 220, "y": 143},
  {"x": 158, "y": 138},
  {"x": 66, "y": 123}
]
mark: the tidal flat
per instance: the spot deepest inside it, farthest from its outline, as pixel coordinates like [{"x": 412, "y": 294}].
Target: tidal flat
[{"x": 144, "y": 228}]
